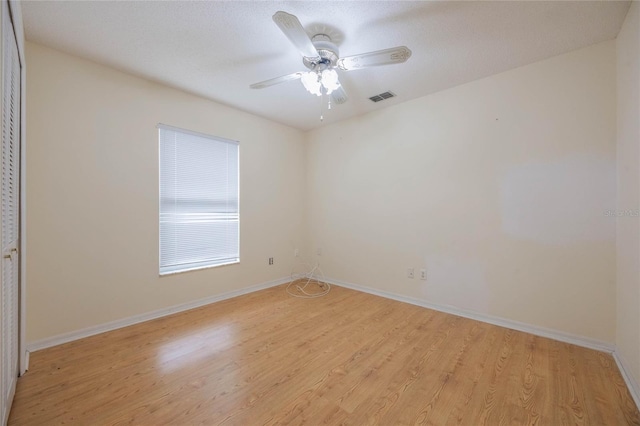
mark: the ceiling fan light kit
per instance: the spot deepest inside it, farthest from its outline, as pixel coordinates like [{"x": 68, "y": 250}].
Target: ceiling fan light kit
[
  {"x": 315, "y": 82},
  {"x": 322, "y": 58}
]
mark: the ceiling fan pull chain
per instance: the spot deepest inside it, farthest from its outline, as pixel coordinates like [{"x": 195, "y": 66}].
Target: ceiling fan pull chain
[{"x": 321, "y": 104}]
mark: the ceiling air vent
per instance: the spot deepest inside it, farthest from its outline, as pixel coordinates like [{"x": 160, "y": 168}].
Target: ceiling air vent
[{"x": 382, "y": 96}]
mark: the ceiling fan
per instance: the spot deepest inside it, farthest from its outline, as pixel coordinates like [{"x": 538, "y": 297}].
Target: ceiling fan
[{"x": 321, "y": 57}]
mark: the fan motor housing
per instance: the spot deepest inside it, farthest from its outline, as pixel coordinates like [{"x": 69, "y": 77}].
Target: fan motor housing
[{"x": 327, "y": 50}]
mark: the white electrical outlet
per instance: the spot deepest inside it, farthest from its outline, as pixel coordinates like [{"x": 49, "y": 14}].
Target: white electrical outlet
[
  {"x": 295, "y": 253},
  {"x": 319, "y": 251},
  {"x": 423, "y": 274},
  {"x": 409, "y": 272}
]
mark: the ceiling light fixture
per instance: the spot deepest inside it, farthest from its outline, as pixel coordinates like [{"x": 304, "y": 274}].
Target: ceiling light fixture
[
  {"x": 322, "y": 81},
  {"x": 320, "y": 56}
]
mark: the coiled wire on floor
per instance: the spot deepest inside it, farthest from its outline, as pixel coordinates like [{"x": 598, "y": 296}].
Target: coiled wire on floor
[{"x": 309, "y": 283}]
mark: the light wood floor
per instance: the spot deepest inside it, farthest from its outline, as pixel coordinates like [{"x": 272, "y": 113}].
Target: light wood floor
[{"x": 346, "y": 358}]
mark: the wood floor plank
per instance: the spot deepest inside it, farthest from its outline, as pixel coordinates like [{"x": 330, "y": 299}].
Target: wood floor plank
[
  {"x": 415, "y": 352},
  {"x": 425, "y": 375},
  {"x": 347, "y": 358},
  {"x": 470, "y": 380}
]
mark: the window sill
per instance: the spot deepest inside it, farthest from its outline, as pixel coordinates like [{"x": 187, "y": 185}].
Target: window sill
[{"x": 197, "y": 268}]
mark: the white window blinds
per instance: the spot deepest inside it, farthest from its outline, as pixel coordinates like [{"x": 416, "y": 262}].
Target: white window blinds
[{"x": 199, "y": 216}]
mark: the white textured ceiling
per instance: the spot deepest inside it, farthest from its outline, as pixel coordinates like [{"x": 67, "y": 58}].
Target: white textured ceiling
[{"x": 216, "y": 49}]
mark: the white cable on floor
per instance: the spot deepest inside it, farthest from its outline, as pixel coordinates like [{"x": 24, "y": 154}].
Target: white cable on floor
[{"x": 312, "y": 276}]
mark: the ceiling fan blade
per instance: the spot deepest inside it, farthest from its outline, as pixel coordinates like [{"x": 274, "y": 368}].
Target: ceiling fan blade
[
  {"x": 277, "y": 80},
  {"x": 395, "y": 55},
  {"x": 292, "y": 28},
  {"x": 339, "y": 96}
]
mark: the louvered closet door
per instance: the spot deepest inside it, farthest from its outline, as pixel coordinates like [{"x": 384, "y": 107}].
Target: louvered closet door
[{"x": 10, "y": 211}]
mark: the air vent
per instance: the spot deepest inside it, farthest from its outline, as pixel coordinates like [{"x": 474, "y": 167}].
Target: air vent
[{"x": 382, "y": 96}]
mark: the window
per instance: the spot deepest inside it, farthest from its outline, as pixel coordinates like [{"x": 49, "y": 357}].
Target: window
[{"x": 199, "y": 219}]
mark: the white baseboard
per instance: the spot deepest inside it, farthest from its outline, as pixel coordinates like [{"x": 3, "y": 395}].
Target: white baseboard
[
  {"x": 113, "y": 325},
  {"x": 632, "y": 384},
  {"x": 502, "y": 322}
]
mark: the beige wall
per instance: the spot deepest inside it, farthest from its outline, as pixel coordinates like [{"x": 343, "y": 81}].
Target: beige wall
[
  {"x": 93, "y": 194},
  {"x": 498, "y": 188},
  {"x": 628, "y": 229}
]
